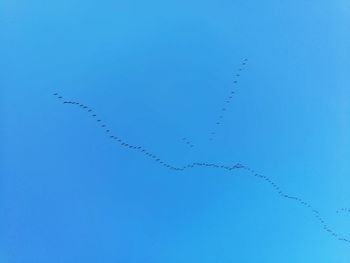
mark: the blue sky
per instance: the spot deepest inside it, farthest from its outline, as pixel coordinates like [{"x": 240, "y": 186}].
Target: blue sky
[{"x": 156, "y": 72}]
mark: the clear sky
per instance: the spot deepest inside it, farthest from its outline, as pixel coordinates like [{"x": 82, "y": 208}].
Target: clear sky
[{"x": 160, "y": 75}]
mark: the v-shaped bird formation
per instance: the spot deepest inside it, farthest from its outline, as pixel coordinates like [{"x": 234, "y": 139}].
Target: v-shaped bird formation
[{"x": 114, "y": 138}]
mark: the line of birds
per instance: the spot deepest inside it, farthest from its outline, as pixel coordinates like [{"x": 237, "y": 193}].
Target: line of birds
[
  {"x": 343, "y": 210},
  {"x": 227, "y": 101},
  {"x": 113, "y": 137}
]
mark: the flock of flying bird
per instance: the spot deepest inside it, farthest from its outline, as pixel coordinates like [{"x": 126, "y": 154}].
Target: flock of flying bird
[
  {"x": 343, "y": 210},
  {"x": 148, "y": 154},
  {"x": 224, "y": 108},
  {"x": 228, "y": 100}
]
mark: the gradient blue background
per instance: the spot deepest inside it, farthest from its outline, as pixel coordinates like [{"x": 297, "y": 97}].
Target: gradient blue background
[{"x": 157, "y": 71}]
